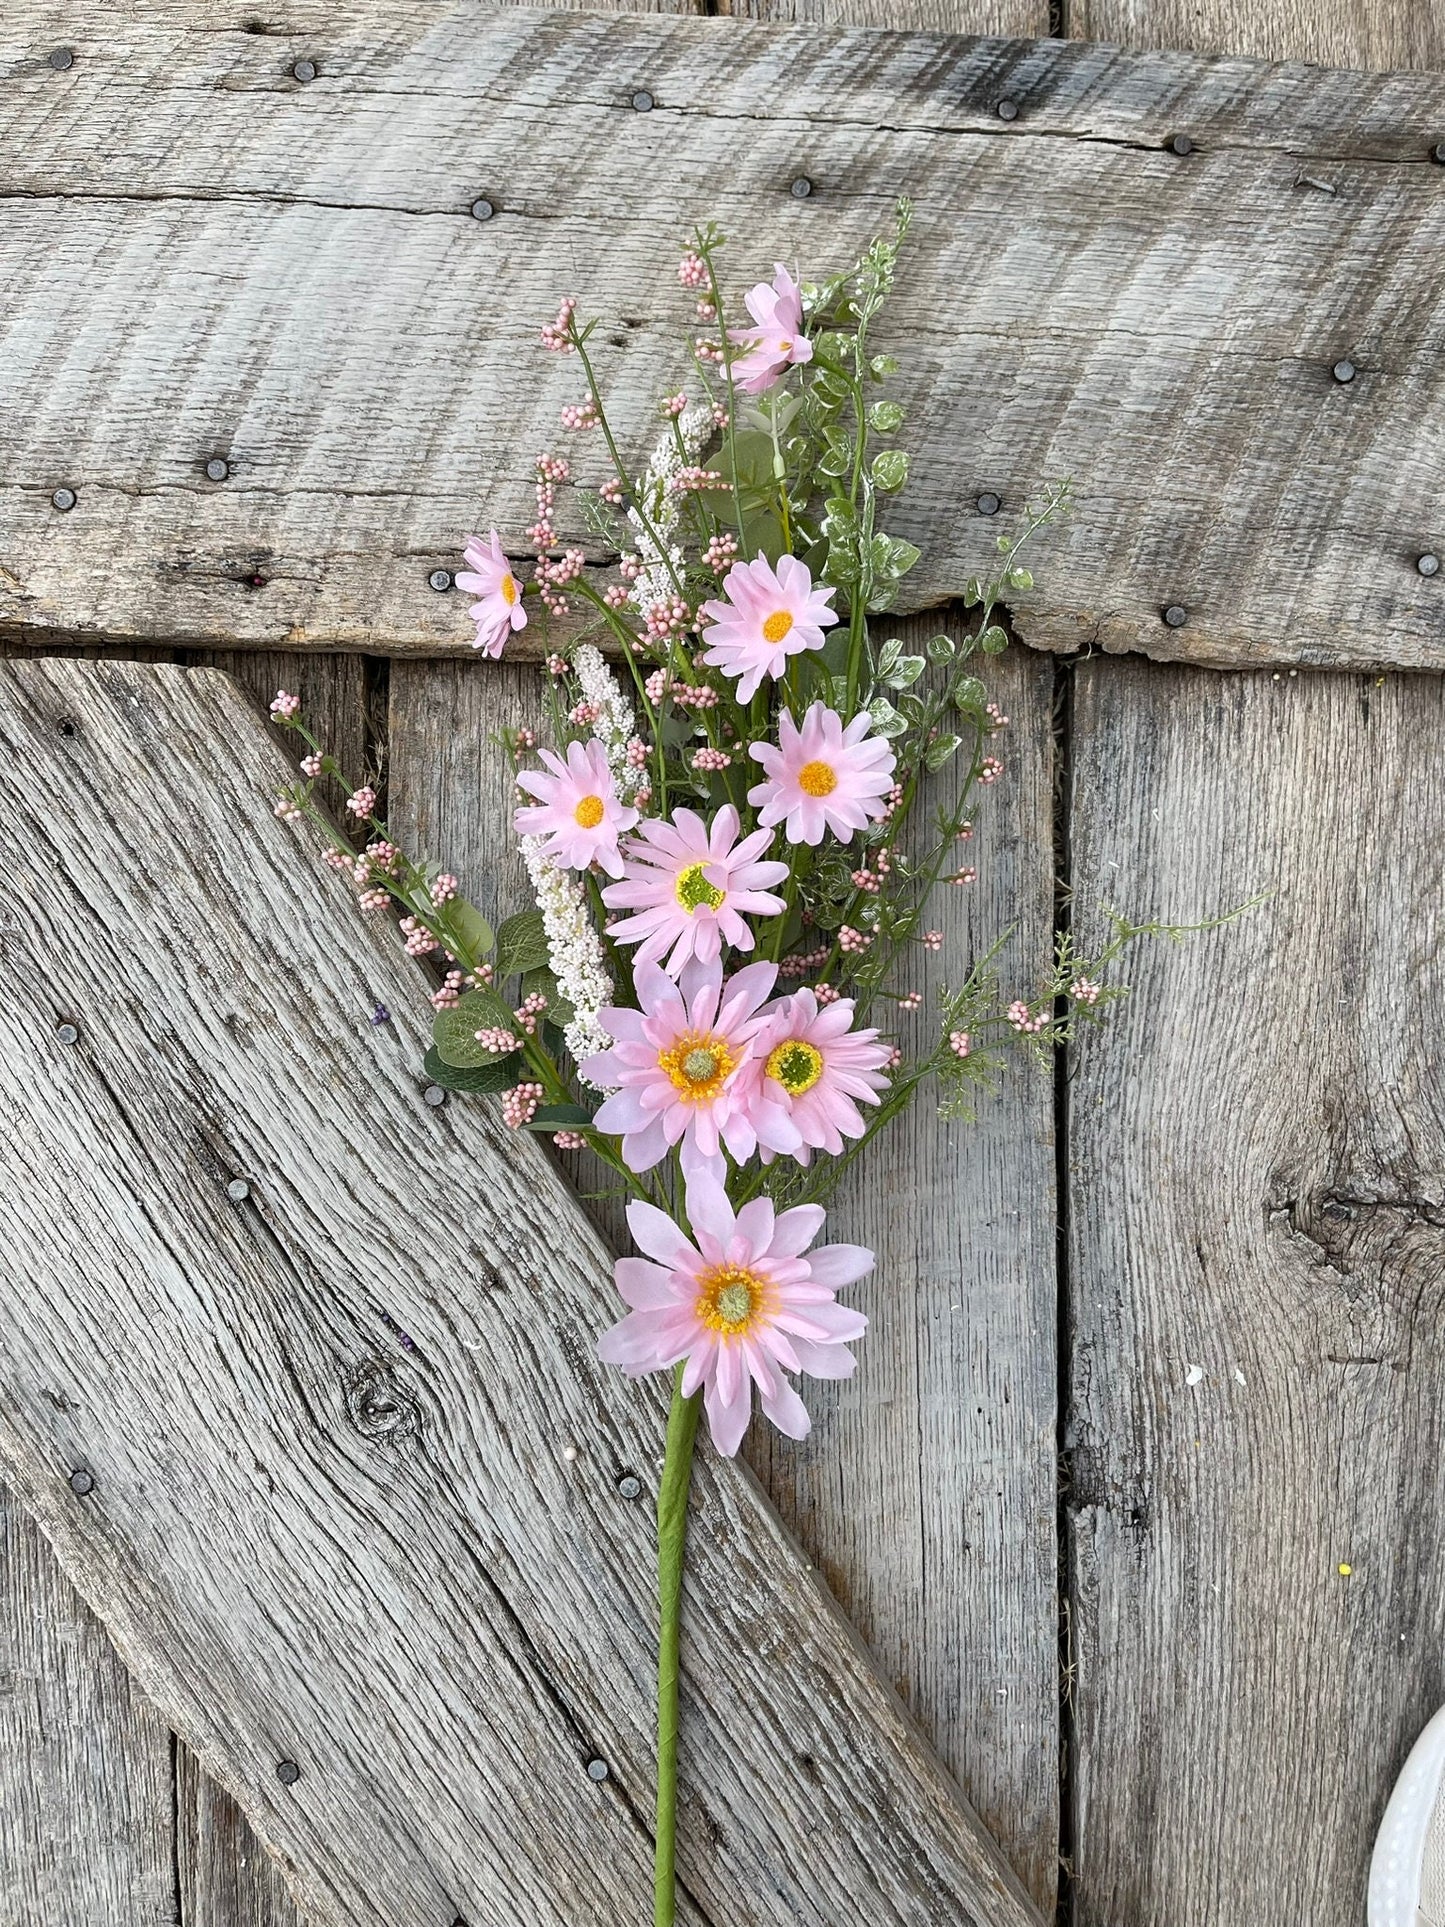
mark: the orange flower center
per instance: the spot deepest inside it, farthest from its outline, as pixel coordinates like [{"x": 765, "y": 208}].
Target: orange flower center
[
  {"x": 797, "y": 1065},
  {"x": 777, "y": 625},
  {"x": 589, "y": 812},
  {"x": 817, "y": 779},
  {"x": 508, "y": 587},
  {"x": 731, "y": 1299},
  {"x": 699, "y": 1064},
  {"x": 785, "y": 346}
]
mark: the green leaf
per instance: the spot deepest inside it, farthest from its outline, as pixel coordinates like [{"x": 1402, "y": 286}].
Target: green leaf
[
  {"x": 543, "y": 983},
  {"x": 748, "y": 455},
  {"x": 940, "y": 648},
  {"x": 888, "y": 655},
  {"x": 890, "y": 470},
  {"x": 886, "y": 417},
  {"x": 1021, "y": 578},
  {"x": 886, "y": 719},
  {"x": 560, "y": 1117},
  {"x": 465, "y": 922},
  {"x": 939, "y": 751},
  {"x": 972, "y": 592},
  {"x": 993, "y": 640},
  {"x": 522, "y": 944},
  {"x": 881, "y": 366},
  {"x": 905, "y": 672},
  {"x": 892, "y": 557},
  {"x": 496, "y": 1074},
  {"x": 454, "y": 1030},
  {"x": 970, "y": 696}
]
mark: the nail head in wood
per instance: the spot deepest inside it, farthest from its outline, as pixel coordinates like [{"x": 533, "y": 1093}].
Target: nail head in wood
[
  {"x": 1437, "y": 153},
  {"x": 1343, "y": 371},
  {"x": 217, "y": 470},
  {"x": 1428, "y": 564},
  {"x": 304, "y": 70},
  {"x": 61, "y": 59},
  {"x": 238, "y": 1190},
  {"x": 82, "y": 1481},
  {"x": 1176, "y": 615},
  {"x": 287, "y": 1772},
  {"x": 482, "y": 210},
  {"x": 598, "y": 1770},
  {"x": 1181, "y": 144},
  {"x": 63, "y": 499},
  {"x": 435, "y": 1096},
  {"x": 1007, "y": 109},
  {"x": 642, "y": 101},
  {"x": 629, "y": 1486},
  {"x": 988, "y": 503},
  {"x": 440, "y": 580},
  {"x": 67, "y": 1034},
  {"x": 801, "y": 188}
]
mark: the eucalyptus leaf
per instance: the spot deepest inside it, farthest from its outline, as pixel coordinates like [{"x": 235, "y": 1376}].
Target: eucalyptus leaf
[
  {"x": 560, "y": 1117},
  {"x": 522, "y": 944},
  {"x": 541, "y": 983},
  {"x": 454, "y": 1029},
  {"x": 497, "y": 1074},
  {"x": 466, "y": 923}
]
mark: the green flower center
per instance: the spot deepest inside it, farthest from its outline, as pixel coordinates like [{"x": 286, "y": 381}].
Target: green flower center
[
  {"x": 694, "y": 892},
  {"x": 796, "y": 1065}
]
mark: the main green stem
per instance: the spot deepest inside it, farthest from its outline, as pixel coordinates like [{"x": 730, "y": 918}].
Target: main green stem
[{"x": 671, "y": 1552}]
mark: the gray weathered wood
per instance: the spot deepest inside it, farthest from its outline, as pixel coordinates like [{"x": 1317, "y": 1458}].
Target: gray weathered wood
[
  {"x": 927, "y": 1494},
  {"x": 224, "y": 1876},
  {"x": 217, "y": 259},
  {"x": 1376, "y": 34},
  {"x": 307, "y": 1542},
  {"x": 86, "y": 1829},
  {"x": 1015, "y": 18},
  {"x": 1258, "y": 1189}
]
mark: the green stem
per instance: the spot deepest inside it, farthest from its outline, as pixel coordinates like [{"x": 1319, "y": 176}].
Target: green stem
[{"x": 671, "y": 1548}]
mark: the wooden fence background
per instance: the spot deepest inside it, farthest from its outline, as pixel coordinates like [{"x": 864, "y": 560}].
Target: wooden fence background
[{"x": 1113, "y": 1592}]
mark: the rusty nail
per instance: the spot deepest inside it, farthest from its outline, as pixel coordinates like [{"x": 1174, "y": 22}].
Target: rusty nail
[
  {"x": 1176, "y": 615},
  {"x": 482, "y": 210},
  {"x": 801, "y": 188},
  {"x": 1007, "y": 109},
  {"x": 61, "y": 59},
  {"x": 642, "y": 101},
  {"x": 1181, "y": 144},
  {"x": 1343, "y": 371},
  {"x": 287, "y": 1772},
  {"x": 988, "y": 503},
  {"x": 1428, "y": 564},
  {"x": 238, "y": 1190},
  {"x": 82, "y": 1481},
  {"x": 304, "y": 70},
  {"x": 440, "y": 580},
  {"x": 435, "y": 1096},
  {"x": 629, "y": 1486},
  {"x": 598, "y": 1770},
  {"x": 63, "y": 499},
  {"x": 217, "y": 470},
  {"x": 67, "y": 1034}
]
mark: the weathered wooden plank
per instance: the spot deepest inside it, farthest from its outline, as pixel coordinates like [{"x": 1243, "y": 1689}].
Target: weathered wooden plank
[
  {"x": 224, "y": 1877},
  {"x": 1014, "y": 18},
  {"x": 309, "y": 1543},
  {"x": 1259, "y": 1192},
  {"x": 1376, "y": 34},
  {"x": 927, "y": 1495},
  {"x": 205, "y": 257},
  {"x": 86, "y": 1827}
]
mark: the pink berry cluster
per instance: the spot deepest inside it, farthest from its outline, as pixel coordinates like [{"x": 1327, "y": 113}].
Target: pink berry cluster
[
  {"x": 990, "y": 770},
  {"x": 711, "y": 759},
  {"x": 557, "y": 335},
  {"x": 960, "y": 1043},
  {"x": 529, "y": 1012},
  {"x": 552, "y": 471},
  {"x": 1024, "y": 1021},
  {"x": 1084, "y": 990},
  {"x": 495, "y": 1038},
  {"x": 721, "y": 552},
  {"x": 692, "y": 271},
  {"x": 284, "y": 706},
  {"x": 519, "y": 1105}
]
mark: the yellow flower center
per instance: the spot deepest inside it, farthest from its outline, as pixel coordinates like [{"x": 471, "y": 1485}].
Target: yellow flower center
[
  {"x": 699, "y": 1064},
  {"x": 693, "y": 891},
  {"x": 817, "y": 779},
  {"x": 785, "y": 346},
  {"x": 777, "y": 625},
  {"x": 508, "y": 587},
  {"x": 731, "y": 1299},
  {"x": 589, "y": 812},
  {"x": 796, "y": 1065}
]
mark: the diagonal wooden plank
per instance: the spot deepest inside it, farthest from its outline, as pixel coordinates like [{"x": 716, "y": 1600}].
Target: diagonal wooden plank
[
  {"x": 1258, "y": 1191},
  {"x": 311, "y": 1543},
  {"x": 219, "y": 261}
]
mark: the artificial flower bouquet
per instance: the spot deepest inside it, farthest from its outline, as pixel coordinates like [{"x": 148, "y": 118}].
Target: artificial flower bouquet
[{"x": 733, "y": 818}]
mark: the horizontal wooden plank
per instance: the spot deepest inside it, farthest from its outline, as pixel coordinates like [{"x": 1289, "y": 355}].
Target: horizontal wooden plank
[
  {"x": 311, "y": 1542},
  {"x": 206, "y": 258},
  {"x": 1257, "y": 1149},
  {"x": 1374, "y": 34}
]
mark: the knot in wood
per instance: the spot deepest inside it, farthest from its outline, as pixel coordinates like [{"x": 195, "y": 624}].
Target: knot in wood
[{"x": 379, "y": 1405}]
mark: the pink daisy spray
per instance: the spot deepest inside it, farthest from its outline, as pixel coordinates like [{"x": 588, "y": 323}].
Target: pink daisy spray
[
  {"x": 822, "y": 776},
  {"x": 743, "y": 1301},
  {"x": 692, "y": 886},
  {"x": 809, "y": 1058},
  {"x": 777, "y": 341},
  {"x": 578, "y": 811},
  {"x": 766, "y": 615},
  {"x": 678, "y": 1064},
  {"x": 489, "y": 576}
]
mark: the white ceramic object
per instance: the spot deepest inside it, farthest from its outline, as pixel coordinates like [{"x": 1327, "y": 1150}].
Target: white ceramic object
[{"x": 1407, "y": 1868}]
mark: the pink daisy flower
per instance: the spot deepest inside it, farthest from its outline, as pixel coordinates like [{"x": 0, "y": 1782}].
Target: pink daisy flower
[
  {"x": 823, "y": 776},
  {"x": 777, "y": 342},
  {"x": 692, "y": 886},
  {"x": 489, "y": 575},
  {"x": 678, "y": 1065},
  {"x": 579, "y": 812},
  {"x": 809, "y": 1059},
  {"x": 743, "y": 1304},
  {"x": 765, "y": 617}
]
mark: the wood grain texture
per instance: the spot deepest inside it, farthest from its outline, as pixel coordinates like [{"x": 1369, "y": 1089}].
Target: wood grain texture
[
  {"x": 1017, "y": 19},
  {"x": 86, "y": 1823},
  {"x": 205, "y": 257},
  {"x": 1258, "y": 1164},
  {"x": 307, "y": 1542},
  {"x": 1374, "y": 34},
  {"x": 224, "y": 1876},
  {"x": 927, "y": 1492}
]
